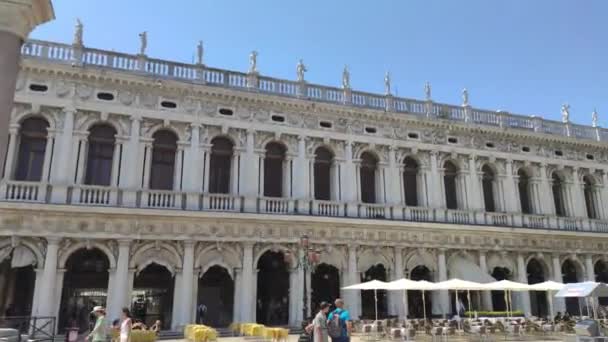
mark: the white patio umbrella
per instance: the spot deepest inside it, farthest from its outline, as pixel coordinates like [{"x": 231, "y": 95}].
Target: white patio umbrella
[
  {"x": 408, "y": 284},
  {"x": 370, "y": 285},
  {"x": 460, "y": 285},
  {"x": 507, "y": 286},
  {"x": 548, "y": 286}
]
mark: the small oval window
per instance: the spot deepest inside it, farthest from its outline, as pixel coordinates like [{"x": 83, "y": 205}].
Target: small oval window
[
  {"x": 412, "y": 135},
  {"x": 169, "y": 104},
  {"x": 525, "y": 149},
  {"x": 278, "y": 118},
  {"x": 452, "y": 140},
  {"x": 590, "y": 157},
  {"x": 105, "y": 96},
  {"x": 226, "y": 111},
  {"x": 490, "y": 145},
  {"x": 370, "y": 130},
  {"x": 559, "y": 153},
  {"x": 325, "y": 124},
  {"x": 38, "y": 87}
]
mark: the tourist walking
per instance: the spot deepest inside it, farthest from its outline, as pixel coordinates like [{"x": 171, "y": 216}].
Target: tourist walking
[
  {"x": 125, "y": 325},
  {"x": 100, "y": 330},
  {"x": 320, "y": 324},
  {"x": 339, "y": 323}
]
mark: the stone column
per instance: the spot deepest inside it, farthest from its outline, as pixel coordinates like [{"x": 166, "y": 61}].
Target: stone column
[
  {"x": 589, "y": 269},
  {"x": 604, "y": 195},
  {"x": 443, "y": 276},
  {"x": 17, "y": 20},
  {"x": 486, "y": 296},
  {"x": 578, "y": 207},
  {"x": 392, "y": 176},
  {"x": 116, "y": 162},
  {"x": 558, "y": 303},
  {"x": 206, "y": 168},
  {"x": 9, "y": 167},
  {"x": 237, "y": 307},
  {"x": 474, "y": 200},
  {"x": 148, "y": 150},
  {"x": 353, "y": 297},
  {"x": 511, "y": 200},
  {"x": 435, "y": 181},
  {"x": 179, "y": 157},
  {"x": 522, "y": 277},
  {"x": 178, "y": 307},
  {"x": 248, "y": 299},
  {"x": 301, "y": 183},
  {"x": 132, "y": 163},
  {"x": 296, "y": 280},
  {"x": 192, "y": 179},
  {"x": 546, "y": 195},
  {"x": 348, "y": 180},
  {"x": 121, "y": 295},
  {"x": 397, "y": 296},
  {"x": 46, "y": 306},
  {"x": 60, "y": 177},
  {"x": 187, "y": 283},
  {"x": 249, "y": 178}
]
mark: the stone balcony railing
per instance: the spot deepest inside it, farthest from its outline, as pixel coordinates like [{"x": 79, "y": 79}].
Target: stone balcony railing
[
  {"x": 199, "y": 74},
  {"x": 86, "y": 195}
]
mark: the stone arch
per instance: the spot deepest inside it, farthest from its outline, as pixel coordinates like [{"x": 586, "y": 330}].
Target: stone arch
[
  {"x": 19, "y": 118},
  {"x": 181, "y": 136},
  {"x": 65, "y": 254},
  {"x": 315, "y": 145},
  {"x": 452, "y": 159},
  {"x": 6, "y": 247},
  {"x": 223, "y": 256},
  {"x": 273, "y": 248},
  {"x": 234, "y": 140},
  {"x": 334, "y": 257},
  {"x": 374, "y": 152},
  {"x": 371, "y": 257},
  {"x": 578, "y": 264},
  {"x": 92, "y": 121},
  {"x": 505, "y": 260},
  {"x": 543, "y": 262},
  {"x": 272, "y": 139},
  {"x": 164, "y": 254},
  {"x": 419, "y": 257}
]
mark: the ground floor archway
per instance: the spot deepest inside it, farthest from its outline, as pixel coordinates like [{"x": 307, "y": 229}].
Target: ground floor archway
[
  {"x": 538, "y": 299},
  {"x": 414, "y": 297},
  {"x": 152, "y": 296},
  {"x": 216, "y": 293},
  {"x": 325, "y": 285},
  {"x": 570, "y": 274},
  {"x": 601, "y": 275},
  {"x": 498, "y": 297},
  {"x": 85, "y": 285},
  {"x": 272, "y": 302},
  {"x": 16, "y": 289},
  {"x": 376, "y": 272}
]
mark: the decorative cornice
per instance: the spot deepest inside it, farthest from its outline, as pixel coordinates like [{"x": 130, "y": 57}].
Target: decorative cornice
[{"x": 20, "y": 17}]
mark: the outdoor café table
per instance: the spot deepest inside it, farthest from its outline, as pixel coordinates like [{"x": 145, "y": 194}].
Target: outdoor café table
[{"x": 276, "y": 334}]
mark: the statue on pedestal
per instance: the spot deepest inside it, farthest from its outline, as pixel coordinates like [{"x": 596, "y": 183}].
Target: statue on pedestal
[
  {"x": 387, "y": 83},
  {"x": 301, "y": 69},
  {"x": 465, "y": 97},
  {"x": 253, "y": 62},
  {"x": 78, "y": 32},
  {"x": 594, "y": 118},
  {"x": 427, "y": 91},
  {"x": 345, "y": 78},
  {"x": 565, "y": 113},
  {"x": 143, "y": 42},
  {"x": 199, "y": 52}
]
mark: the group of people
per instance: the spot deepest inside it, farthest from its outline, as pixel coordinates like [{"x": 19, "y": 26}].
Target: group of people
[
  {"x": 336, "y": 324},
  {"x": 124, "y": 326}
]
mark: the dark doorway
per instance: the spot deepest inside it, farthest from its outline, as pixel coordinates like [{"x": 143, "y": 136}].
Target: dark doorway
[
  {"x": 376, "y": 272},
  {"x": 601, "y": 275},
  {"x": 273, "y": 170},
  {"x": 85, "y": 285},
  {"x": 219, "y": 165},
  {"x": 152, "y": 297},
  {"x": 558, "y": 195},
  {"x": 216, "y": 292},
  {"x": 322, "y": 174},
  {"x": 369, "y": 165},
  {"x": 450, "y": 173},
  {"x": 273, "y": 289},
  {"x": 414, "y": 298},
  {"x": 325, "y": 285},
  {"x": 498, "y": 297},
  {"x": 410, "y": 181},
  {"x": 524, "y": 191},
  {"x": 16, "y": 289},
  {"x": 487, "y": 183},
  {"x": 538, "y": 299},
  {"x": 570, "y": 275}
]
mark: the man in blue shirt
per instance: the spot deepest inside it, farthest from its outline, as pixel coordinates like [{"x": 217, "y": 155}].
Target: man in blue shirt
[{"x": 345, "y": 321}]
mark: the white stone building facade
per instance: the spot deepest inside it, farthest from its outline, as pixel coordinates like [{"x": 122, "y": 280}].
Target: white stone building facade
[{"x": 134, "y": 181}]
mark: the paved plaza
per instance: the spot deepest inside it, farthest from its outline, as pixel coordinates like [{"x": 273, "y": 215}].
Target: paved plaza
[{"x": 294, "y": 338}]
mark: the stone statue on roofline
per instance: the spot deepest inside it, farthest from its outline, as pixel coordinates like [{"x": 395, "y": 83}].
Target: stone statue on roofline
[
  {"x": 78, "y": 33},
  {"x": 200, "y": 50},
  {"x": 387, "y": 83},
  {"x": 253, "y": 62},
  {"x": 594, "y": 118},
  {"x": 345, "y": 78},
  {"x": 301, "y": 69},
  {"x": 427, "y": 91},
  {"x": 465, "y": 97},
  {"x": 565, "y": 113},
  {"x": 143, "y": 42}
]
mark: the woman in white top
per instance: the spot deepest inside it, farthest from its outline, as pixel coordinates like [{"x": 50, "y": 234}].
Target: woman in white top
[{"x": 125, "y": 325}]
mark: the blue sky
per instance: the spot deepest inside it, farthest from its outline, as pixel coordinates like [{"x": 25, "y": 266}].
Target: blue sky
[{"x": 523, "y": 56}]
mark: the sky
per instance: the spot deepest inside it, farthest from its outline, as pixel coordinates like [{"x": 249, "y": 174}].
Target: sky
[{"x": 523, "y": 56}]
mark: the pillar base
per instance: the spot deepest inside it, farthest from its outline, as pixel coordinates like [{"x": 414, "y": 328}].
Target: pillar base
[
  {"x": 129, "y": 198},
  {"x": 250, "y": 205},
  {"x": 59, "y": 194}
]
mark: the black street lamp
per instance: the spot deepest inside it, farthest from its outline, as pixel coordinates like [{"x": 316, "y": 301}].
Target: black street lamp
[{"x": 306, "y": 258}]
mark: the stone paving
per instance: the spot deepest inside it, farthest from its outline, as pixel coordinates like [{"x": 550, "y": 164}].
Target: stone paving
[{"x": 294, "y": 338}]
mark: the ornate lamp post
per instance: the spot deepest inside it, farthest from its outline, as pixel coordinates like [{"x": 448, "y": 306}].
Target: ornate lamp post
[{"x": 306, "y": 258}]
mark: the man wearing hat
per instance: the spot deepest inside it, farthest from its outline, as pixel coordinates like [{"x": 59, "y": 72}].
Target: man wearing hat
[{"x": 99, "y": 332}]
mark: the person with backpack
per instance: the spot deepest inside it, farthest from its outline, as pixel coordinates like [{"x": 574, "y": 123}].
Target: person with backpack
[{"x": 339, "y": 324}]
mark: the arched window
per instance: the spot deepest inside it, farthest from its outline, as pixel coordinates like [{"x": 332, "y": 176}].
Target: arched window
[
  {"x": 322, "y": 170},
  {"x": 558, "y": 195},
  {"x": 100, "y": 156},
  {"x": 273, "y": 170},
  {"x": 450, "y": 174},
  {"x": 32, "y": 147},
  {"x": 163, "y": 160},
  {"x": 369, "y": 165},
  {"x": 523, "y": 186},
  {"x": 219, "y": 165},
  {"x": 589, "y": 192},
  {"x": 410, "y": 181},
  {"x": 488, "y": 180}
]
